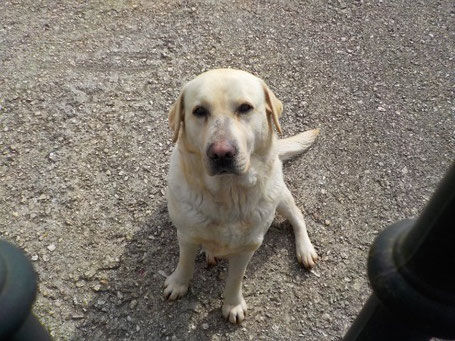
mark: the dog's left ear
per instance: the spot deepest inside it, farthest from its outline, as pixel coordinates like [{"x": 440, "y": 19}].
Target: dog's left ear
[
  {"x": 273, "y": 107},
  {"x": 176, "y": 116}
]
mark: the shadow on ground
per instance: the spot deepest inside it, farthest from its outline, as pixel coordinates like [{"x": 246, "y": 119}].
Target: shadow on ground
[{"x": 130, "y": 304}]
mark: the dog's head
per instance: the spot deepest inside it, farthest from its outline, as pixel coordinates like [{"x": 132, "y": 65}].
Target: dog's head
[{"x": 224, "y": 116}]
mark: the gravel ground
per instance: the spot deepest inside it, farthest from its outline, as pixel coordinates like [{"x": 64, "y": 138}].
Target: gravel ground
[{"x": 84, "y": 146}]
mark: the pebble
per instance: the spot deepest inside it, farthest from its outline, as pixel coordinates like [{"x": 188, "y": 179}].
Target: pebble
[
  {"x": 34, "y": 258},
  {"x": 133, "y": 304},
  {"x": 51, "y": 247},
  {"x": 52, "y": 156},
  {"x": 205, "y": 326},
  {"x": 315, "y": 273},
  {"x": 90, "y": 273},
  {"x": 80, "y": 284},
  {"x": 162, "y": 273}
]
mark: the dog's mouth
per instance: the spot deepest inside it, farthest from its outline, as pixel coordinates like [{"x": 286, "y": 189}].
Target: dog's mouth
[
  {"x": 216, "y": 169},
  {"x": 226, "y": 168}
]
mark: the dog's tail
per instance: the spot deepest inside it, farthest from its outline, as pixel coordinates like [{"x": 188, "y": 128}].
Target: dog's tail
[{"x": 295, "y": 145}]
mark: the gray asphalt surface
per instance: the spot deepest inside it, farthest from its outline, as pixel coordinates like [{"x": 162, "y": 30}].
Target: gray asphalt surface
[{"x": 85, "y": 88}]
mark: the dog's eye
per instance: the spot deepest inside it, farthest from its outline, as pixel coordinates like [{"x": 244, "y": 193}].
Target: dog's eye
[
  {"x": 200, "y": 112},
  {"x": 244, "y": 108}
]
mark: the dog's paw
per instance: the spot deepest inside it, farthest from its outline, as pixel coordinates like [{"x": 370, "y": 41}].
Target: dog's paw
[
  {"x": 306, "y": 255},
  {"x": 173, "y": 288},
  {"x": 235, "y": 313}
]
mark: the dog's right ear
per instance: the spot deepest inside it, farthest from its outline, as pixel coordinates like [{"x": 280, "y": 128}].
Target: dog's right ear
[{"x": 176, "y": 117}]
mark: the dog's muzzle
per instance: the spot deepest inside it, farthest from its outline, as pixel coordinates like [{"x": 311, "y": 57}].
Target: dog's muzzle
[{"x": 221, "y": 156}]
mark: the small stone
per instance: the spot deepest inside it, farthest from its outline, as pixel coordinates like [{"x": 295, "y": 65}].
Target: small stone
[
  {"x": 382, "y": 109},
  {"x": 259, "y": 318},
  {"x": 315, "y": 273},
  {"x": 15, "y": 214},
  {"x": 34, "y": 258},
  {"x": 46, "y": 258},
  {"x": 205, "y": 326},
  {"x": 51, "y": 247},
  {"x": 327, "y": 222},
  {"x": 162, "y": 273},
  {"x": 90, "y": 273},
  {"x": 52, "y": 156},
  {"x": 80, "y": 284},
  {"x": 133, "y": 304},
  {"x": 96, "y": 287},
  {"x": 77, "y": 316}
]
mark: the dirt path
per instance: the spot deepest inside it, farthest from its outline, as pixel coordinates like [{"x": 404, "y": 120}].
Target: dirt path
[{"x": 84, "y": 145}]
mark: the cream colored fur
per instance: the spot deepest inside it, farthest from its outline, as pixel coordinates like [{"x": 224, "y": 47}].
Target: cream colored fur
[{"x": 228, "y": 214}]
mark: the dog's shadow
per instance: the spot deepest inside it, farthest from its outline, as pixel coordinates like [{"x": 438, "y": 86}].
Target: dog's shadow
[{"x": 131, "y": 305}]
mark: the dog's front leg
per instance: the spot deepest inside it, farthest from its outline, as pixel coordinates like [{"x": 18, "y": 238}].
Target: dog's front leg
[
  {"x": 306, "y": 254},
  {"x": 234, "y": 306},
  {"x": 176, "y": 285}
]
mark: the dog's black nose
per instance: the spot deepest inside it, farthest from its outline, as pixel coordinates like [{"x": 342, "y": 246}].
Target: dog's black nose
[{"x": 221, "y": 151}]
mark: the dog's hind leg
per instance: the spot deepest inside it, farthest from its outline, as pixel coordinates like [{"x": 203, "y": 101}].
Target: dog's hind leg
[
  {"x": 176, "y": 285},
  {"x": 306, "y": 254}
]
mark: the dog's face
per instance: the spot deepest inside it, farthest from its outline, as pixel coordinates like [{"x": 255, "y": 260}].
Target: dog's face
[{"x": 224, "y": 116}]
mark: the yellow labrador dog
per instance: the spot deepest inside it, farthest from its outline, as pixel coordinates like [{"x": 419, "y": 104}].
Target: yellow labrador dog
[{"x": 226, "y": 180}]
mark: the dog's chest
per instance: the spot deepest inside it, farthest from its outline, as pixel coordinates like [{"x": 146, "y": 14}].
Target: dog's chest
[{"x": 231, "y": 223}]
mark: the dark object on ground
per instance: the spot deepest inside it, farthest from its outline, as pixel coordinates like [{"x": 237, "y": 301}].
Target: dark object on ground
[
  {"x": 410, "y": 268},
  {"x": 17, "y": 294}
]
